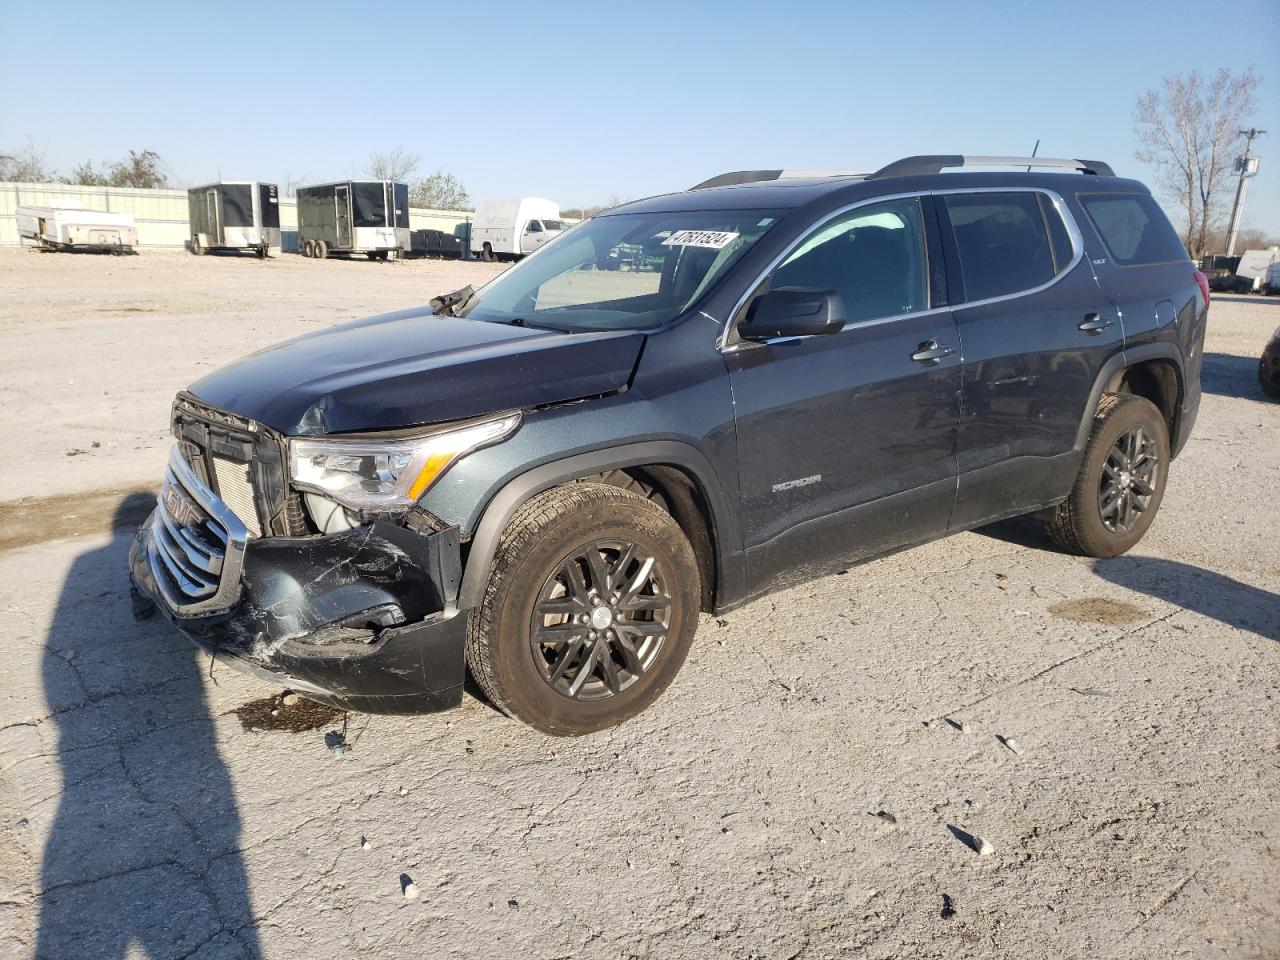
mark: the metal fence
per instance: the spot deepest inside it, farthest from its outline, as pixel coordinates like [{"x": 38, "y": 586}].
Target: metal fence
[{"x": 161, "y": 215}]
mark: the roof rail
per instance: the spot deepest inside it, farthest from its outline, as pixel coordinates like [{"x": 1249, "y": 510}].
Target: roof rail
[
  {"x": 759, "y": 176},
  {"x": 936, "y": 163}
]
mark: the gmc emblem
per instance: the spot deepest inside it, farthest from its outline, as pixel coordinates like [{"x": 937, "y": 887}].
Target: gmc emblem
[{"x": 182, "y": 509}]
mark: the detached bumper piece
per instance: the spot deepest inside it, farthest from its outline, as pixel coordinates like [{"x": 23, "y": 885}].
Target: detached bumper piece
[{"x": 364, "y": 620}]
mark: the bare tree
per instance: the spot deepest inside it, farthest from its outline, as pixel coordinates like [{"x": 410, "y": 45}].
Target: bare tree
[
  {"x": 440, "y": 191},
  {"x": 142, "y": 168},
  {"x": 28, "y": 165},
  {"x": 1189, "y": 130},
  {"x": 397, "y": 164}
]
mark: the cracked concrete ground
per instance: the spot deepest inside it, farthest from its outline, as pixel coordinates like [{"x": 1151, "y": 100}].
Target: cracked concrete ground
[{"x": 737, "y": 817}]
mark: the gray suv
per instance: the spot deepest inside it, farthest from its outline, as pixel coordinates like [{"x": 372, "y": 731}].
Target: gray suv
[{"x": 677, "y": 407}]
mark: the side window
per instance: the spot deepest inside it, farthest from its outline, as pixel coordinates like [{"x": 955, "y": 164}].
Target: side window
[
  {"x": 874, "y": 257},
  {"x": 533, "y": 227},
  {"x": 1002, "y": 242},
  {"x": 1134, "y": 229}
]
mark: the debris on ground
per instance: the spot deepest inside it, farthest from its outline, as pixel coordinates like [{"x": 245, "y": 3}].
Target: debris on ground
[
  {"x": 979, "y": 845},
  {"x": 271, "y": 713},
  {"x": 948, "y": 908},
  {"x": 365, "y": 844},
  {"x": 1092, "y": 692},
  {"x": 408, "y": 887},
  {"x": 958, "y": 724},
  {"x": 886, "y": 816},
  {"x": 289, "y": 698},
  {"x": 1011, "y": 743}
]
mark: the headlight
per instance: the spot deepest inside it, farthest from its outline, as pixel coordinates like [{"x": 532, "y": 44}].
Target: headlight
[{"x": 386, "y": 475}]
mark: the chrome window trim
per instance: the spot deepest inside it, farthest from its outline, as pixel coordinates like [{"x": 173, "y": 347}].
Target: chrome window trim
[{"x": 1073, "y": 231}]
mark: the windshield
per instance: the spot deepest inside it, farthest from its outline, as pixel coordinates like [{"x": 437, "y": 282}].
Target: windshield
[
  {"x": 622, "y": 272},
  {"x": 553, "y": 224}
]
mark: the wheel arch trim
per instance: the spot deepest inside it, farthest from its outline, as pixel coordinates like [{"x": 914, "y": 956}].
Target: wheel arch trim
[
  {"x": 1114, "y": 368},
  {"x": 504, "y": 504}
]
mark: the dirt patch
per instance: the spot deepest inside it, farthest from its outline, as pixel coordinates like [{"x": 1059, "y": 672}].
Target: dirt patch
[
  {"x": 1111, "y": 613},
  {"x": 37, "y": 519},
  {"x": 272, "y": 713}
]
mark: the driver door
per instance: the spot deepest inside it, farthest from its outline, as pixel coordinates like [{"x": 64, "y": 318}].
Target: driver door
[
  {"x": 847, "y": 441},
  {"x": 532, "y": 237}
]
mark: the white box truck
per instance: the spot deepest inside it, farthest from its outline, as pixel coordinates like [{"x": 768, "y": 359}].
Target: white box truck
[
  {"x": 510, "y": 228},
  {"x": 65, "y": 225}
]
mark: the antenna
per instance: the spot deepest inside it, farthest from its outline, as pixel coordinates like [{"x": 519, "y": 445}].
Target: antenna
[{"x": 1034, "y": 151}]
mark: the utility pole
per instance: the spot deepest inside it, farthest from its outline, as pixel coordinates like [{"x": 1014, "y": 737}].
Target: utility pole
[{"x": 1247, "y": 167}]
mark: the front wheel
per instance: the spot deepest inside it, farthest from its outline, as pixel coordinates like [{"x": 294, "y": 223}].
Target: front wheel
[
  {"x": 1121, "y": 480},
  {"x": 322, "y": 250},
  {"x": 589, "y": 612}
]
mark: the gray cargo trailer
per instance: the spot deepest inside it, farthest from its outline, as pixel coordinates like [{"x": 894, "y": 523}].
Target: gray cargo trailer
[
  {"x": 240, "y": 215},
  {"x": 354, "y": 216}
]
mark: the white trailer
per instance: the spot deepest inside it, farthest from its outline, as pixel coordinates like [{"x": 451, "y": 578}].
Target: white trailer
[
  {"x": 234, "y": 215},
  {"x": 65, "y": 225},
  {"x": 1251, "y": 274},
  {"x": 512, "y": 227}
]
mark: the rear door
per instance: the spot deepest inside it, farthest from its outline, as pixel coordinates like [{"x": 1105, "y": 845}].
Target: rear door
[
  {"x": 846, "y": 442},
  {"x": 1036, "y": 331}
]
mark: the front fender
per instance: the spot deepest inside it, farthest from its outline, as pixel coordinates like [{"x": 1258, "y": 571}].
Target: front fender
[{"x": 504, "y": 504}]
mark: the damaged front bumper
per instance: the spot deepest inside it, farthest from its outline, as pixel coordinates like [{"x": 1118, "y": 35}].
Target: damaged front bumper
[{"x": 364, "y": 619}]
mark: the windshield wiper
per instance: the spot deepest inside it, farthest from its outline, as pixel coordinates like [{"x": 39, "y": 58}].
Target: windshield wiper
[
  {"x": 450, "y": 303},
  {"x": 522, "y": 322}
]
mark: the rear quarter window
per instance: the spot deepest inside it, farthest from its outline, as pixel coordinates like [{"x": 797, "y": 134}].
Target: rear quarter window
[{"x": 1134, "y": 229}]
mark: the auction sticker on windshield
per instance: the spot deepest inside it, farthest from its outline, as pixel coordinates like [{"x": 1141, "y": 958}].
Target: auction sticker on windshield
[{"x": 714, "y": 239}]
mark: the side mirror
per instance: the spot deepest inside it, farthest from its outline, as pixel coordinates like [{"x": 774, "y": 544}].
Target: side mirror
[{"x": 793, "y": 312}]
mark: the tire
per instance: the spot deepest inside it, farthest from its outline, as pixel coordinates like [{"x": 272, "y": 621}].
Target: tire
[
  {"x": 198, "y": 248},
  {"x": 309, "y": 249},
  {"x": 584, "y": 677},
  {"x": 262, "y": 252},
  {"x": 322, "y": 250},
  {"x": 1094, "y": 521},
  {"x": 487, "y": 254},
  {"x": 1269, "y": 371}
]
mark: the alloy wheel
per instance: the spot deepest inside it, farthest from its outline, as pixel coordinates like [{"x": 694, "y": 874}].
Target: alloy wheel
[
  {"x": 1129, "y": 478},
  {"x": 600, "y": 619}
]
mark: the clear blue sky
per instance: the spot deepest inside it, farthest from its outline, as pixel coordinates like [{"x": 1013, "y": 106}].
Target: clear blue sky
[{"x": 578, "y": 101}]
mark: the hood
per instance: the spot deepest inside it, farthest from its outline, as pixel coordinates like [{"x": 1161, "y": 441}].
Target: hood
[{"x": 410, "y": 368}]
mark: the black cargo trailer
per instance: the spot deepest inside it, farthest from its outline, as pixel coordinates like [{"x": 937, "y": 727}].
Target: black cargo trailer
[
  {"x": 354, "y": 216},
  {"x": 240, "y": 215}
]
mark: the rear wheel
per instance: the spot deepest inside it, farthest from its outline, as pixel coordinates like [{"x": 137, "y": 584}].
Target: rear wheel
[
  {"x": 322, "y": 250},
  {"x": 198, "y": 248},
  {"x": 590, "y": 610},
  {"x": 309, "y": 249},
  {"x": 1121, "y": 480},
  {"x": 1269, "y": 370},
  {"x": 487, "y": 254}
]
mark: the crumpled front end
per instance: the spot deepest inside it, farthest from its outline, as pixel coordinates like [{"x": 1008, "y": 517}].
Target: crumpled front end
[{"x": 363, "y": 619}]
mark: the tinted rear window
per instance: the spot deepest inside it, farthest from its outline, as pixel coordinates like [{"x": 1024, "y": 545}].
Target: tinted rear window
[
  {"x": 369, "y": 204},
  {"x": 237, "y": 205},
  {"x": 1002, "y": 242},
  {"x": 1134, "y": 229}
]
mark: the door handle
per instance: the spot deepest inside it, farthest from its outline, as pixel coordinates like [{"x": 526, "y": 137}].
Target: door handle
[
  {"x": 1093, "y": 323},
  {"x": 931, "y": 352}
]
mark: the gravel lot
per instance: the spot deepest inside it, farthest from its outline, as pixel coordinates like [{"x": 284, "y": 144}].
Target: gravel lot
[{"x": 803, "y": 790}]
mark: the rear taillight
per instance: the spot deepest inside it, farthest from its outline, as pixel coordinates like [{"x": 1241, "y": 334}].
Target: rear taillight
[{"x": 1203, "y": 282}]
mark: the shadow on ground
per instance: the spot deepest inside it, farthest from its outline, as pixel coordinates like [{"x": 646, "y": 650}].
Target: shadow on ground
[
  {"x": 1201, "y": 591},
  {"x": 143, "y": 855},
  {"x": 1230, "y": 376}
]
